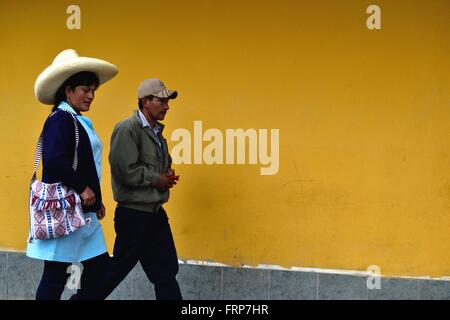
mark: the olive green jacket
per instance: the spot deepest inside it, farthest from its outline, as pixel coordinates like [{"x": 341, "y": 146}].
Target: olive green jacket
[{"x": 136, "y": 162}]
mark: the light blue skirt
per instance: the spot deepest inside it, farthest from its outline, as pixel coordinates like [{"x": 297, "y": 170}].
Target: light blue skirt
[{"x": 85, "y": 243}]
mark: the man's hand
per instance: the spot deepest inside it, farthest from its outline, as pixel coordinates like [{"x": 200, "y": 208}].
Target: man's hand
[
  {"x": 172, "y": 176},
  {"x": 101, "y": 213},
  {"x": 165, "y": 182},
  {"x": 87, "y": 197}
]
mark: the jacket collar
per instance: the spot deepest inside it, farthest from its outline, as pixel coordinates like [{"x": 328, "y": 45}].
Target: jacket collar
[{"x": 138, "y": 120}]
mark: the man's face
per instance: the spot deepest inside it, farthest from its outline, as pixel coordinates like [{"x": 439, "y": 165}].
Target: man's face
[{"x": 157, "y": 107}]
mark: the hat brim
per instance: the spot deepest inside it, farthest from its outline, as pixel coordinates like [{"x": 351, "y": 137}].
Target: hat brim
[
  {"x": 166, "y": 93},
  {"x": 49, "y": 81}
]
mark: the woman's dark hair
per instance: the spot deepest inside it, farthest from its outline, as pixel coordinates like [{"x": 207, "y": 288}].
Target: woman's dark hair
[{"x": 84, "y": 78}]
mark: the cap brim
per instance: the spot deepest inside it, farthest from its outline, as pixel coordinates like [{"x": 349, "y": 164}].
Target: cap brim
[
  {"x": 166, "y": 93},
  {"x": 49, "y": 81}
]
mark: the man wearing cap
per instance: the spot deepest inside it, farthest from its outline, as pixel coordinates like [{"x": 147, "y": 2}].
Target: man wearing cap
[{"x": 141, "y": 178}]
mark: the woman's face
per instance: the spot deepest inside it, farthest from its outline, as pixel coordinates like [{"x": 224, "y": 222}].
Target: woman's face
[{"x": 81, "y": 97}]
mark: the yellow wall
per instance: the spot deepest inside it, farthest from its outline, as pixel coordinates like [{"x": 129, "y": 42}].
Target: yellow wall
[{"x": 364, "y": 119}]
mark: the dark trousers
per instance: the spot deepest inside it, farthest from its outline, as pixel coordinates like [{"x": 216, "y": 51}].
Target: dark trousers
[
  {"x": 145, "y": 237},
  {"x": 55, "y": 276}
]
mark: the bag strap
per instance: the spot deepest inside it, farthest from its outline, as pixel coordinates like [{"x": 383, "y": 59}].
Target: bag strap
[{"x": 38, "y": 154}]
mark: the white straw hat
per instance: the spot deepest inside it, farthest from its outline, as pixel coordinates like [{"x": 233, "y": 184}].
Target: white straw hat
[{"x": 66, "y": 64}]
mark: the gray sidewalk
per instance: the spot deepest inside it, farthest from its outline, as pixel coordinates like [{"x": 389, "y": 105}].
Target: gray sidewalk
[{"x": 20, "y": 275}]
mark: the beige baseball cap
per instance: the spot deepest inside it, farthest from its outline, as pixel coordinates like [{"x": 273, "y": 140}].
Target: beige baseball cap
[{"x": 155, "y": 87}]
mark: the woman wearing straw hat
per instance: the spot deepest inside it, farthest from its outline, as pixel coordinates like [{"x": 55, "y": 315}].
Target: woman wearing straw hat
[{"x": 69, "y": 84}]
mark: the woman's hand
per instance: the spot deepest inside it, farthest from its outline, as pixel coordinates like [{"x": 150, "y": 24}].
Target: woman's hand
[
  {"x": 87, "y": 197},
  {"x": 101, "y": 213}
]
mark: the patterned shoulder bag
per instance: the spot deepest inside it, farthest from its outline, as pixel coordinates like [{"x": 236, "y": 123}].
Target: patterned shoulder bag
[{"x": 55, "y": 209}]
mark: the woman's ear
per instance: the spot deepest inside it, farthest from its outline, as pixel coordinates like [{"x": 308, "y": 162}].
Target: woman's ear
[{"x": 67, "y": 90}]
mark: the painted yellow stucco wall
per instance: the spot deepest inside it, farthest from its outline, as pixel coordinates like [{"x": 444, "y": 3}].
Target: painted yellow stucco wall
[{"x": 363, "y": 118}]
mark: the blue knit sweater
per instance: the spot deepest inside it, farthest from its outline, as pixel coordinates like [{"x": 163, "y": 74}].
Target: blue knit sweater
[{"x": 57, "y": 157}]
